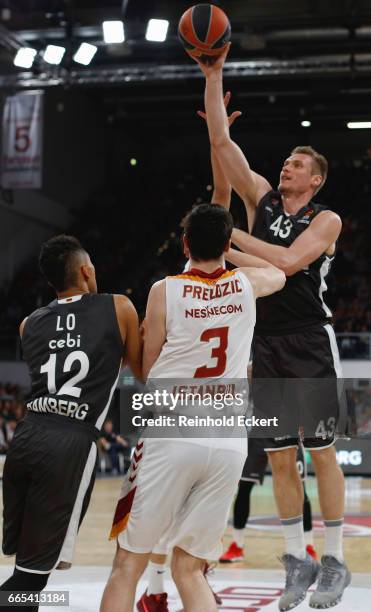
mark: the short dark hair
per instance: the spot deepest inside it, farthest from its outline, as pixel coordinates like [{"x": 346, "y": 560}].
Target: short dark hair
[
  {"x": 207, "y": 227},
  {"x": 56, "y": 261}
]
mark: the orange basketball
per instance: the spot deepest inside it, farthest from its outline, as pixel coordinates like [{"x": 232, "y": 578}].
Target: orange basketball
[{"x": 204, "y": 30}]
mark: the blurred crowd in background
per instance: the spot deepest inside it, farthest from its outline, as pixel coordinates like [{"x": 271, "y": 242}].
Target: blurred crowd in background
[
  {"x": 132, "y": 232},
  {"x": 12, "y": 410},
  {"x": 133, "y": 236}
]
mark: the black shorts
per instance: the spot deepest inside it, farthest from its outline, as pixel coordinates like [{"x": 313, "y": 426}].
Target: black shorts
[
  {"x": 257, "y": 460},
  {"x": 48, "y": 478},
  {"x": 295, "y": 379}
]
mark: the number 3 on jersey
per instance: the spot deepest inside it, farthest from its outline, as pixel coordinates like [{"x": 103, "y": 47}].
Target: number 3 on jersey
[{"x": 217, "y": 352}]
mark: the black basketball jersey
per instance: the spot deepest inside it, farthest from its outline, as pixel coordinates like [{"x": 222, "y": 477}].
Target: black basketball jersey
[
  {"x": 300, "y": 303},
  {"x": 73, "y": 349}
]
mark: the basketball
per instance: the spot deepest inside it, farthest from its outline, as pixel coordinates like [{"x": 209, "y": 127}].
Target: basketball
[{"x": 204, "y": 30}]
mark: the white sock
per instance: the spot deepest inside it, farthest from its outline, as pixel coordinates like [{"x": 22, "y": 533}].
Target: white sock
[
  {"x": 156, "y": 574},
  {"x": 293, "y": 532},
  {"x": 308, "y": 538},
  {"x": 239, "y": 536},
  {"x": 334, "y": 539}
]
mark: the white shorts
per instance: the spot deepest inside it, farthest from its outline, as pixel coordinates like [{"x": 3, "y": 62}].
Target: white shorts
[{"x": 180, "y": 493}]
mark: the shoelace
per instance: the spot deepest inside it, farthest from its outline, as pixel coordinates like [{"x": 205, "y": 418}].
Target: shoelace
[
  {"x": 292, "y": 576},
  {"x": 329, "y": 575}
]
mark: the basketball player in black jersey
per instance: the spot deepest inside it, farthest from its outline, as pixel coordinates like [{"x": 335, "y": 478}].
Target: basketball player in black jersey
[
  {"x": 294, "y": 337},
  {"x": 74, "y": 348}
]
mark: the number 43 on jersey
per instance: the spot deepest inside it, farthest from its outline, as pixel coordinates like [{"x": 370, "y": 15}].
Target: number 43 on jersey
[{"x": 281, "y": 226}]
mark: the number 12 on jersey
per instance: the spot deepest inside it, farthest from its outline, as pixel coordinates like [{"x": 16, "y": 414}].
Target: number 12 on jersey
[
  {"x": 217, "y": 352},
  {"x": 68, "y": 388}
]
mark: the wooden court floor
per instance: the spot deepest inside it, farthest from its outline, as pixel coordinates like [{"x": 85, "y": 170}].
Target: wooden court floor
[{"x": 263, "y": 541}]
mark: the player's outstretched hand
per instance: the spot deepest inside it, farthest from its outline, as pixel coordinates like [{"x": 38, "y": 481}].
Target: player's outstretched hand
[
  {"x": 231, "y": 118},
  {"x": 216, "y": 66}
]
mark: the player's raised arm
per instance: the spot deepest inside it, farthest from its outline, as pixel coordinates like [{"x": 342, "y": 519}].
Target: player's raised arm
[
  {"x": 127, "y": 318},
  {"x": 242, "y": 260},
  {"x": 250, "y": 186},
  {"x": 265, "y": 278},
  {"x": 265, "y": 281},
  {"x": 317, "y": 239},
  {"x": 222, "y": 187},
  {"x": 155, "y": 325}
]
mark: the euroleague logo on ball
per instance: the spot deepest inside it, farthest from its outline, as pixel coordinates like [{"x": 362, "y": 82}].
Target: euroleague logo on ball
[{"x": 204, "y": 30}]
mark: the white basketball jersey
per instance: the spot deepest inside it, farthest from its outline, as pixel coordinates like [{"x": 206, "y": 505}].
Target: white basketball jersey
[{"x": 210, "y": 322}]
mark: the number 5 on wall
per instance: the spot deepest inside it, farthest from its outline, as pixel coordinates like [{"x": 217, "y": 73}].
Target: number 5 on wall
[{"x": 22, "y": 138}]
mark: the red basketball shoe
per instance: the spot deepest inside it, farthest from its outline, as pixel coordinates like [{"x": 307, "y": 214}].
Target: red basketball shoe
[
  {"x": 153, "y": 603},
  {"x": 232, "y": 554}
]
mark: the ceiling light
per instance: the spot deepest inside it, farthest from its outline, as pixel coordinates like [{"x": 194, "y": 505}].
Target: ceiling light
[
  {"x": 113, "y": 32},
  {"x": 359, "y": 125},
  {"x": 25, "y": 57},
  {"x": 157, "y": 30},
  {"x": 54, "y": 54},
  {"x": 85, "y": 53},
  {"x": 6, "y": 14}
]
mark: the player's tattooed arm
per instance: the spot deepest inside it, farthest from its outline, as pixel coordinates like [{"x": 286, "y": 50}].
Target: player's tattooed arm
[
  {"x": 249, "y": 185},
  {"x": 155, "y": 325},
  {"x": 127, "y": 318},
  {"x": 317, "y": 239}
]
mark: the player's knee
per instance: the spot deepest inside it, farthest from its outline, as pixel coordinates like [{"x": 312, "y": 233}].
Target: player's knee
[
  {"x": 323, "y": 458},
  {"x": 129, "y": 563},
  {"x": 183, "y": 564},
  {"x": 178, "y": 564},
  {"x": 283, "y": 461}
]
